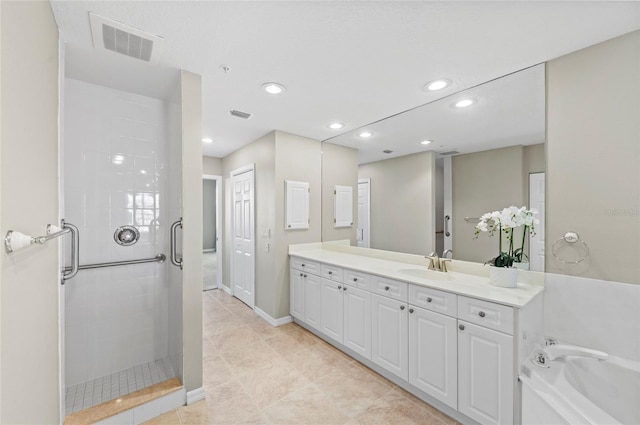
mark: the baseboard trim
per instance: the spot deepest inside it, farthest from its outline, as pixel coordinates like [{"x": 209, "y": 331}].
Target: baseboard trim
[
  {"x": 273, "y": 322},
  {"x": 195, "y": 395},
  {"x": 225, "y": 289}
]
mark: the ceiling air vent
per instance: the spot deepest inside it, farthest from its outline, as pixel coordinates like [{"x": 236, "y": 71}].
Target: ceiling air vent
[
  {"x": 240, "y": 114},
  {"x": 123, "y": 39},
  {"x": 447, "y": 153}
]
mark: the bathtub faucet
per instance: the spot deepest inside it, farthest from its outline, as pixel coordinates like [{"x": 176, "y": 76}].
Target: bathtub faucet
[{"x": 557, "y": 351}]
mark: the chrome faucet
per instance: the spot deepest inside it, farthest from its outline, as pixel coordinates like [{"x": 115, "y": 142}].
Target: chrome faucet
[
  {"x": 447, "y": 252},
  {"x": 436, "y": 263}
]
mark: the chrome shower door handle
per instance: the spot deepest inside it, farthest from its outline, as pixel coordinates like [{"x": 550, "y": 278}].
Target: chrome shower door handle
[
  {"x": 174, "y": 242},
  {"x": 446, "y": 225},
  {"x": 75, "y": 253}
]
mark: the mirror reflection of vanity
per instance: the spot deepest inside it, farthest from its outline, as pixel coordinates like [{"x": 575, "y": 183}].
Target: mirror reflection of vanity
[{"x": 426, "y": 198}]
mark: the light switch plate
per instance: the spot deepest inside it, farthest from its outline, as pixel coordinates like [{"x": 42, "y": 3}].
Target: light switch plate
[{"x": 266, "y": 233}]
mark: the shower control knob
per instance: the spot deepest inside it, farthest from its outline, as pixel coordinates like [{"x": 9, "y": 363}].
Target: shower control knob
[
  {"x": 461, "y": 327},
  {"x": 126, "y": 235},
  {"x": 481, "y": 314}
]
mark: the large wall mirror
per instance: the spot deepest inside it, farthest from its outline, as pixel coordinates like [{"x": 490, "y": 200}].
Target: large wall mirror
[{"x": 420, "y": 198}]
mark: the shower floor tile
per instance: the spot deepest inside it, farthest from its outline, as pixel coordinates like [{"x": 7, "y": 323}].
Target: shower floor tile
[{"x": 118, "y": 384}]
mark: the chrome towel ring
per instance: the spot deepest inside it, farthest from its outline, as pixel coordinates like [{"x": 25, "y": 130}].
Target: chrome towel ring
[{"x": 570, "y": 238}]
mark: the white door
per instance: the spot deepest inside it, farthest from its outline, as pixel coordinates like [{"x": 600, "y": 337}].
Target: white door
[
  {"x": 364, "y": 213},
  {"x": 536, "y": 243},
  {"x": 243, "y": 261},
  {"x": 433, "y": 352},
  {"x": 389, "y": 335},
  {"x": 331, "y": 316},
  {"x": 297, "y": 293},
  {"x": 485, "y": 374},
  {"x": 357, "y": 320},
  {"x": 312, "y": 313},
  {"x": 342, "y": 206}
]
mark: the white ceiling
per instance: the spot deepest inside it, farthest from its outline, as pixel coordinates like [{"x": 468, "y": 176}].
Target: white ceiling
[{"x": 353, "y": 61}]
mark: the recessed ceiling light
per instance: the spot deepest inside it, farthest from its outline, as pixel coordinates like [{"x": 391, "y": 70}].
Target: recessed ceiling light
[
  {"x": 273, "y": 88},
  {"x": 336, "y": 126},
  {"x": 365, "y": 134},
  {"x": 437, "y": 85},
  {"x": 207, "y": 140},
  {"x": 464, "y": 103},
  {"x": 425, "y": 142}
]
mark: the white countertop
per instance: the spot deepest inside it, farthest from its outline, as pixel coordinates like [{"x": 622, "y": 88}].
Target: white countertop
[{"x": 455, "y": 282}]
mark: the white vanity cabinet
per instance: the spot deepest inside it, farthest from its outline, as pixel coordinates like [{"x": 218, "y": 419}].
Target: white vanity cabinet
[
  {"x": 390, "y": 335},
  {"x": 440, "y": 345},
  {"x": 485, "y": 361},
  {"x": 346, "y": 311},
  {"x": 304, "y": 287},
  {"x": 433, "y": 365}
]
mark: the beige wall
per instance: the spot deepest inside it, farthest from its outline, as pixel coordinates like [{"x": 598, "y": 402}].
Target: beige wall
[
  {"x": 262, "y": 154},
  {"x": 29, "y": 197},
  {"x": 339, "y": 168},
  {"x": 192, "y": 229},
  {"x": 299, "y": 159},
  {"x": 593, "y": 158},
  {"x": 402, "y": 203},
  {"x": 482, "y": 182},
  {"x": 211, "y": 165}
]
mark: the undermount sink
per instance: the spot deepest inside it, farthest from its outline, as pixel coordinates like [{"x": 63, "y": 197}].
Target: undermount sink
[{"x": 426, "y": 274}]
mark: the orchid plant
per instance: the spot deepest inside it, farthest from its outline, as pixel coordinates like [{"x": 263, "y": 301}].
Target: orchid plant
[{"x": 504, "y": 222}]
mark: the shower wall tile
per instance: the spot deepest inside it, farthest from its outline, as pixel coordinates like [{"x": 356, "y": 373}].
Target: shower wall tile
[{"x": 115, "y": 173}]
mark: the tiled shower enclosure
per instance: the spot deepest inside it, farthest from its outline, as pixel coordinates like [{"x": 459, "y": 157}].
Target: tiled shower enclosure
[{"x": 117, "y": 171}]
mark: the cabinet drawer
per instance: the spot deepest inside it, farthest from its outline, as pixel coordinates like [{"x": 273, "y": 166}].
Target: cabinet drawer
[
  {"x": 357, "y": 279},
  {"x": 332, "y": 273},
  {"x": 490, "y": 315},
  {"x": 434, "y": 300},
  {"x": 305, "y": 265},
  {"x": 390, "y": 288}
]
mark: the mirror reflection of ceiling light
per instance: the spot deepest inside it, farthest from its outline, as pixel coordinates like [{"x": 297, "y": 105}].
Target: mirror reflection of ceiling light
[
  {"x": 425, "y": 142},
  {"x": 117, "y": 159},
  {"x": 207, "y": 140},
  {"x": 336, "y": 126},
  {"x": 273, "y": 88},
  {"x": 464, "y": 103},
  {"x": 365, "y": 134},
  {"x": 437, "y": 85}
]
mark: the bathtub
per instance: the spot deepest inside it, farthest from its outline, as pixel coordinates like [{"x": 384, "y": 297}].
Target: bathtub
[{"x": 580, "y": 390}]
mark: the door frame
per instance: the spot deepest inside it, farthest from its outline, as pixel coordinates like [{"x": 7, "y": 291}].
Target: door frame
[
  {"x": 218, "y": 180},
  {"x": 232, "y": 176},
  {"x": 367, "y": 180}
]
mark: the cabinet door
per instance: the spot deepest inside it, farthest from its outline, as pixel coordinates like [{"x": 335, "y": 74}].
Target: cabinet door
[
  {"x": 331, "y": 306},
  {"x": 485, "y": 374},
  {"x": 312, "y": 302},
  {"x": 433, "y": 354},
  {"x": 296, "y": 289},
  {"x": 389, "y": 335},
  {"x": 357, "y": 320}
]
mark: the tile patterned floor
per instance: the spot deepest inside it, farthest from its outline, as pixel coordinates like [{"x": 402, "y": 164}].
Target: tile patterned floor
[
  {"x": 99, "y": 390},
  {"x": 257, "y": 374}
]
